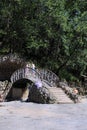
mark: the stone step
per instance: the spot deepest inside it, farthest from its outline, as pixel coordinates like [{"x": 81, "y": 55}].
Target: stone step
[
  {"x": 65, "y": 102},
  {"x": 59, "y": 95}
]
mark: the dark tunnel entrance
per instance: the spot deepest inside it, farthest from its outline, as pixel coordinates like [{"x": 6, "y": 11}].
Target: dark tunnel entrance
[{"x": 19, "y": 90}]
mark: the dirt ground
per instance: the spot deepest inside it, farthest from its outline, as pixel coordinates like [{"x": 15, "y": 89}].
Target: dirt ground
[{"x": 18, "y": 115}]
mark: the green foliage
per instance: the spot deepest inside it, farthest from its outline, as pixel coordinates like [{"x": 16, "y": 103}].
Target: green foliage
[
  {"x": 64, "y": 74},
  {"x": 51, "y": 33}
]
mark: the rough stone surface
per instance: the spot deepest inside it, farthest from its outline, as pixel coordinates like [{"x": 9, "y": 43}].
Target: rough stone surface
[
  {"x": 11, "y": 57},
  {"x": 40, "y": 95},
  {"x": 69, "y": 91},
  {"x": 3, "y": 85},
  {"x": 8, "y": 64}
]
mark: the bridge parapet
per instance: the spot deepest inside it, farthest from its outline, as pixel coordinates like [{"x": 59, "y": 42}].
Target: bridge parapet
[
  {"x": 49, "y": 77},
  {"x": 34, "y": 75},
  {"x": 25, "y": 73}
]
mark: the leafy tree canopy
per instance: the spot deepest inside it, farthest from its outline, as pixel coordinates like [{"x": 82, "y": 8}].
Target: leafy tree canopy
[{"x": 51, "y": 33}]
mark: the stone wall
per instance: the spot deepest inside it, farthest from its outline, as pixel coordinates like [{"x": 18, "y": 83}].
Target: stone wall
[
  {"x": 3, "y": 86},
  {"x": 40, "y": 95},
  {"x": 9, "y": 64}
]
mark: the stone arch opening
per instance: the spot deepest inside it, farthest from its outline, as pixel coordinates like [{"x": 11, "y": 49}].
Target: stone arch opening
[{"x": 20, "y": 90}]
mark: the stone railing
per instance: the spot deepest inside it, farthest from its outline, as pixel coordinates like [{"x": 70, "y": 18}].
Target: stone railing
[
  {"x": 25, "y": 73},
  {"x": 34, "y": 75},
  {"x": 49, "y": 77}
]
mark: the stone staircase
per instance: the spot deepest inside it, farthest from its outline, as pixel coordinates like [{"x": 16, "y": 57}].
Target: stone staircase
[{"x": 59, "y": 95}]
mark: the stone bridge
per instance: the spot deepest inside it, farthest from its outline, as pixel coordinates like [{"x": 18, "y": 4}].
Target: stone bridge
[
  {"x": 49, "y": 93},
  {"x": 41, "y": 75},
  {"x": 25, "y": 73}
]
